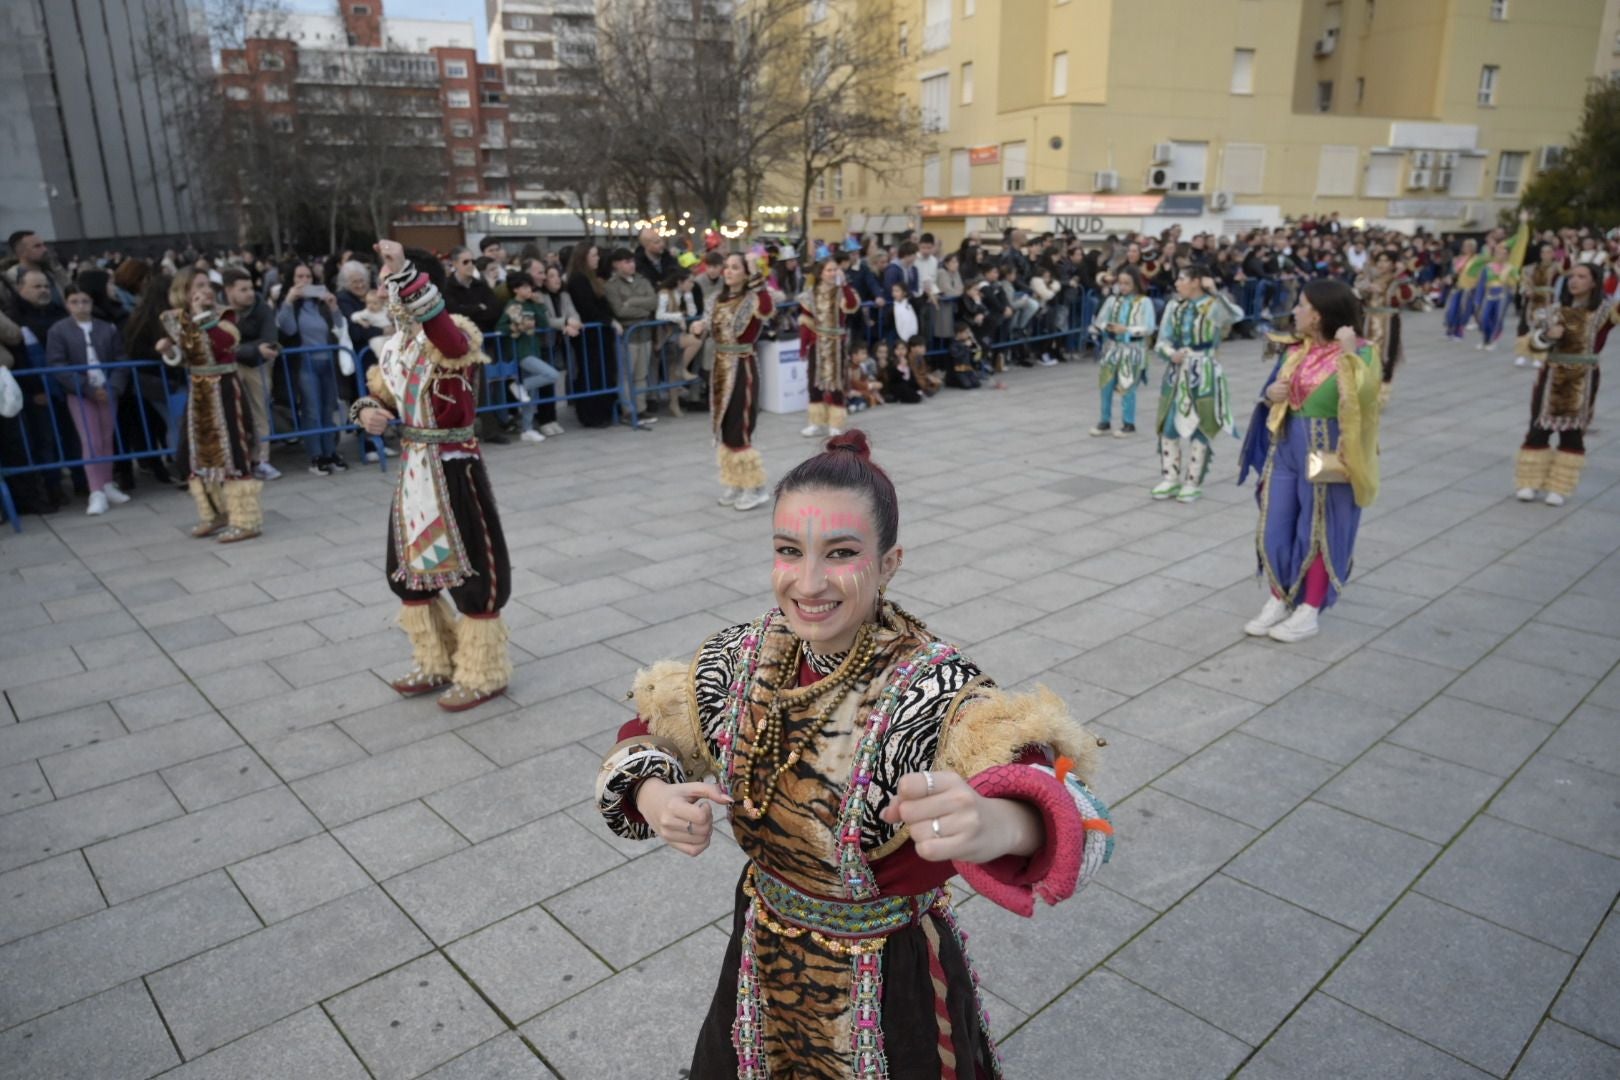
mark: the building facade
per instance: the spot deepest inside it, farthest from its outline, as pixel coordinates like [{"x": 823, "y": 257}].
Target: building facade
[
  {"x": 548, "y": 49},
  {"x": 89, "y": 158},
  {"x": 1111, "y": 115}
]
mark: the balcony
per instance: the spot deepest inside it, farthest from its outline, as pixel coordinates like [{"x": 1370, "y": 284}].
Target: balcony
[
  {"x": 350, "y": 68},
  {"x": 936, "y": 36},
  {"x": 497, "y": 169},
  {"x": 494, "y": 142}
]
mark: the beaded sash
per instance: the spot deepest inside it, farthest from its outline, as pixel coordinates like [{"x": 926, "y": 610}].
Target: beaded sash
[{"x": 857, "y": 921}]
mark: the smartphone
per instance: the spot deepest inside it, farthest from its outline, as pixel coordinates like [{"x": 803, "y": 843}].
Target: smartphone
[{"x": 315, "y": 292}]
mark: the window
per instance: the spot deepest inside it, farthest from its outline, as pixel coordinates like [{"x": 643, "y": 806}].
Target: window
[
  {"x": 1243, "y": 168},
  {"x": 523, "y": 50},
  {"x": 521, "y": 22},
  {"x": 936, "y": 25},
  {"x": 1509, "y": 173},
  {"x": 936, "y": 103},
  {"x": 359, "y": 9},
  {"x": 1336, "y": 170},
  {"x": 1013, "y": 157},
  {"x": 1487, "y": 84},
  {"x": 1188, "y": 163},
  {"x": 838, "y": 182},
  {"x": 275, "y": 92},
  {"x": 967, "y": 83},
  {"x": 455, "y": 69},
  {"x": 1382, "y": 180},
  {"x": 1242, "y": 71},
  {"x": 237, "y": 93},
  {"x": 821, "y": 187},
  {"x": 961, "y": 176},
  {"x": 1060, "y": 74},
  {"x": 969, "y": 8},
  {"x": 237, "y": 65},
  {"x": 467, "y": 185},
  {"x": 1499, "y": 10},
  {"x": 271, "y": 62},
  {"x": 464, "y": 156},
  {"x": 905, "y": 39},
  {"x": 461, "y": 129},
  {"x": 1324, "y": 96},
  {"x": 281, "y": 125},
  {"x": 931, "y": 176},
  {"x": 1361, "y": 90},
  {"x": 495, "y": 130},
  {"x": 458, "y": 99}
]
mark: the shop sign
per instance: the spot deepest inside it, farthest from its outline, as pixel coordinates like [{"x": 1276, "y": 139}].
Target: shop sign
[{"x": 984, "y": 155}]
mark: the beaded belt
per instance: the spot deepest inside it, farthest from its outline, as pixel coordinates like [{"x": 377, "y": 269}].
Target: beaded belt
[
  {"x": 213, "y": 369},
  {"x": 436, "y": 435},
  {"x": 848, "y": 928},
  {"x": 1572, "y": 358},
  {"x": 733, "y": 348}
]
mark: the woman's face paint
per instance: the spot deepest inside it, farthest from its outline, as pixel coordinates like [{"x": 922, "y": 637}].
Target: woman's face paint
[{"x": 828, "y": 565}]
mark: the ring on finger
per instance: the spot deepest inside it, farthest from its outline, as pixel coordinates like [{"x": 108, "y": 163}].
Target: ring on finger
[
  {"x": 928, "y": 779},
  {"x": 935, "y": 827},
  {"x": 688, "y": 826}
]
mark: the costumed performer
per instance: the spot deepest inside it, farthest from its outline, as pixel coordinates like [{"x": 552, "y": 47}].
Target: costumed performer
[
  {"x": 824, "y": 309},
  {"x": 1124, "y": 323},
  {"x": 742, "y": 309},
  {"x": 1465, "y": 268},
  {"x": 1195, "y": 402}
]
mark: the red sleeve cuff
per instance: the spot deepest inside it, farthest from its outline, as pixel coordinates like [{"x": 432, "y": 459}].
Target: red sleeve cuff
[{"x": 1052, "y": 872}]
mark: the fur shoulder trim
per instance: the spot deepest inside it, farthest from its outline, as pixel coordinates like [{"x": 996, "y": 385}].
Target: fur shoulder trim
[
  {"x": 377, "y": 386},
  {"x": 662, "y": 698},
  {"x": 475, "y": 347},
  {"x": 990, "y": 727}
]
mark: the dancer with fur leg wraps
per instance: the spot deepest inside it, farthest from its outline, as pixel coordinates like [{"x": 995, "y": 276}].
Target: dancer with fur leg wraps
[
  {"x": 823, "y": 342},
  {"x": 443, "y": 529},
  {"x": 1314, "y": 442},
  {"x": 1565, "y": 337},
  {"x": 217, "y": 439},
  {"x": 1195, "y": 403},
  {"x": 742, "y": 309}
]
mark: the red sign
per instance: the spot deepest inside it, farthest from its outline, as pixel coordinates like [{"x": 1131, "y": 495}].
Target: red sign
[
  {"x": 962, "y": 207},
  {"x": 984, "y": 155}
]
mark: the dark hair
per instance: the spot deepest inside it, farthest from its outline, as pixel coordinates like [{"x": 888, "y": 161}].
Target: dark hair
[
  {"x": 132, "y": 274},
  {"x": 1129, "y": 271},
  {"x": 714, "y": 258},
  {"x": 489, "y": 242},
  {"x": 71, "y": 290},
  {"x": 926, "y": 238},
  {"x": 915, "y": 341},
  {"x": 1337, "y": 305},
  {"x": 907, "y": 248},
  {"x": 1593, "y": 298},
  {"x": 858, "y": 346},
  {"x": 517, "y": 278},
  {"x": 846, "y": 465},
  {"x": 427, "y": 263},
  {"x": 232, "y": 274},
  {"x": 18, "y": 237},
  {"x": 620, "y": 255},
  {"x": 672, "y": 281}
]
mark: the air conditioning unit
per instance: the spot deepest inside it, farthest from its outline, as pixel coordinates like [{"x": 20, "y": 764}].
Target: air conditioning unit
[
  {"x": 1106, "y": 180},
  {"x": 1158, "y": 179},
  {"x": 1325, "y": 44},
  {"x": 1422, "y": 159},
  {"x": 1550, "y": 157},
  {"x": 1163, "y": 153},
  {"x": 1417, "y": 178},
  {"x": 1441, "y": 180},
  {"x": 1220, "y": 200}
]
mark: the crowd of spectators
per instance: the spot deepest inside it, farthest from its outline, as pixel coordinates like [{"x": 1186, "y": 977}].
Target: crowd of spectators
[{"x": 929, "y": 318}]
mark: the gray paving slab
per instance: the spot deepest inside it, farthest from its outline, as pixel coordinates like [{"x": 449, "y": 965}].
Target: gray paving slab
[
  {"x": 271, "y": 717},
  {"x": 516, "y": 795},
  {"x": 1328, "y": 1038},
  {"x": 302, "y": 875},
  {"x": 639, "y": 1025},
  {"x": 129, "y": 1042},
  {"x": 413, "y": 1018},
  {"x": 1385, "y": 680},
  {"x": 166, "y": 704},
  {"x": 1340, "y": 866},
  {"x": 1249, "y": 779},
  {"x": 218, "y": 778},
  {"x": 363, "y": 787},
  {"x": 1455, "y": 981},
  {"x": 1541, "y": 693},
  {"x": 1589, "y": 1003},
  {"x": 1578, "y": 651},
  {"x": 1590, "y": 737},
  {"x": 1563, "y": 799},
  {"x": 230, "y": 991},
  {"x": 22, "y": 786},
  {"x": 535, "y": 729},
  {"x": 1146, "y": 1036},
  {"x": 1501, "y": 872},
  {"x": 1471, "y": 734},
  {"x": 313, "y": 750},
  {"x": 502, "y": 1058},
  {"x": 1234, "y": 956},
  {"x": 107, "y": 762},
  {"x": 304, "y": 1045},
  {"x": 1174, "y": 845},
  {"x": 472, "y": 888},
  {"x": 399, "y": 839},
  {"x": 101, "y": 950},
  {"x": 46, "y": 894},
  {"x": 1323, "y": 724},
  {"x": 81, "y": 820},
  {"x": 185, "y": 847},
  {"x": 1558, "y": 1052},
  {"x": 74, "y": 692},
  {"x": 1410, "y": 791},
  {"x": 527, "y": 963}
]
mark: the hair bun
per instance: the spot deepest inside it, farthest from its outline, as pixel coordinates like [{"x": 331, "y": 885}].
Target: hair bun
[{"x": 853, "y": 440}]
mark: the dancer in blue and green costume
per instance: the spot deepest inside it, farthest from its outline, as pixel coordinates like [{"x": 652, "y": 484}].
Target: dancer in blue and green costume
[
  {"x": 1194, "y": 401},
  {"x": 1124, "y": 325},
  {"x": 1499, "y": 281},
  {"x": 1460, "y": 302}
]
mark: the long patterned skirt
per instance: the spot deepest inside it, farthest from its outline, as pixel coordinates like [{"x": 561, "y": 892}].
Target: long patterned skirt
[
  {"x": 1300, "y": 520},
  {"x": 217, "y": 437}
]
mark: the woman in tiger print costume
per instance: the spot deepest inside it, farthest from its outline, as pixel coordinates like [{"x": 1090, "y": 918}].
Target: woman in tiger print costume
[{"x": 864, "y": 763}]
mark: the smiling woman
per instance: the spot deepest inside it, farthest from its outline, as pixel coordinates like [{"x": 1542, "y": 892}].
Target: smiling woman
[{"x": 864, "y": 762}]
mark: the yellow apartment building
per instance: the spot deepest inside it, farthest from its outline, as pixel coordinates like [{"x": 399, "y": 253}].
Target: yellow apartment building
[{"x": 1113, "y": 115}]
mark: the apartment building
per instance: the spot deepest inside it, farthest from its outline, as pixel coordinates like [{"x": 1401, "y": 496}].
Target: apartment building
[
  {"x": 1109, "y": 115},
  {"x": 548, "y": 49}
]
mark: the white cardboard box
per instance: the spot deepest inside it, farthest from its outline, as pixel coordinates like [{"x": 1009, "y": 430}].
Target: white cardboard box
[{"x": 784, "y": 379}]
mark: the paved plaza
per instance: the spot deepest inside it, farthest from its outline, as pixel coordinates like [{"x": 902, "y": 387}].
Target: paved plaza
[{"x": 228, "y": 850}]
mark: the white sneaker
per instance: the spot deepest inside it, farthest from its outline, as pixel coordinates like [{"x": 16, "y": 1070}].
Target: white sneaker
[
  {"x": 1554, "y": 499},
  {"x": 1047, "y": 361},
  {"x": 728, "y": 496},
  {"x": 1166, "y": 489},
  {"x": 266, "y": 471},
  {"x": 98, "y": 503},
  {"x": 834, "y": 432},
  {"x": 1525, "y": 494},
  {"x": 551, "y": 429},
  {"x": 369, "y": 457},
  {"x": 1188, "y": 493},
  {"x": 813, "y": 430},
  {"x": 114, "y": 496},
  {"x": 1101, "y": 429},
  {"x": 1519, "y": 361},
  {"x": 1273, "y": 613},
  {"x": 1491, "y": 347},
  {"x": 520, "y": 393},
  {"x": 531, "y": 436},
  {"x": 752, "y": 498},
  {"x": 1298, "y": 626}
]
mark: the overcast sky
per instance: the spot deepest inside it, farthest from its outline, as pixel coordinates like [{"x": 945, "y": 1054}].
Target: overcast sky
[{"x": 456, "y": 10}]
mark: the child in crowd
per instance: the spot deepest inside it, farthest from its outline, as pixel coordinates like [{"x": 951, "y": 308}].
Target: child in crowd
[
  {"x": 522, "y": 320},
  {"x": 678, "y": 307},
  {"x": 374, "y": 316},
  {"x": 965, "y": 360},
  {"x": 903, "y": 323},
  {"x": 865, "y": 378},
  {"x": 929, "y": 381},
  {"x": 899, "y": 380}
]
